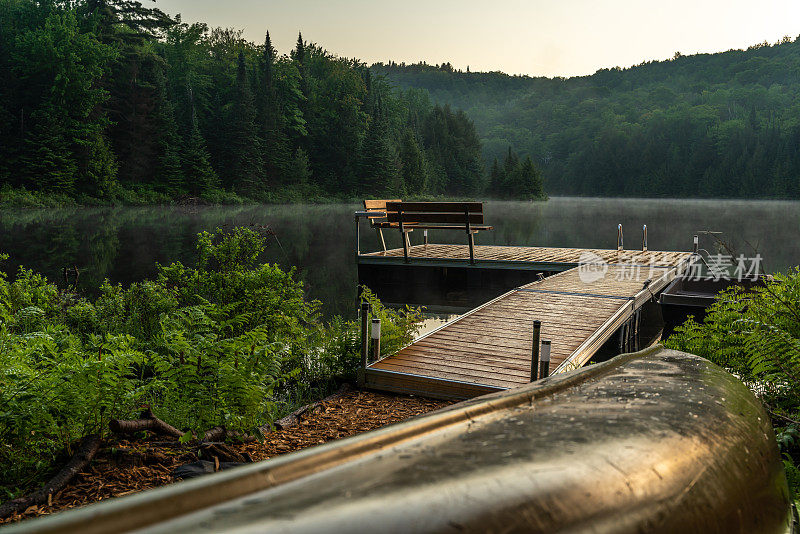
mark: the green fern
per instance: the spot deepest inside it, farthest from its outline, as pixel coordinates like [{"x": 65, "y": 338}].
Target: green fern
[{"x": 231, "y": 342}]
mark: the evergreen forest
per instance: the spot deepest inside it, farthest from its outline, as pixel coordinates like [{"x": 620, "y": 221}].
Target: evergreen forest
[
  {"x": 705, "y": 125},
  {"x": 114, "y": 101}
]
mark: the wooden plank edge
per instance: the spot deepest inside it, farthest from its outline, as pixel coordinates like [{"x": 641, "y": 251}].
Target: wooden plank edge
[{"x": 424, "y": 386}]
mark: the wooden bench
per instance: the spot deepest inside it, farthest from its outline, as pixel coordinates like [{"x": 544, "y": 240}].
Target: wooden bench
[
  {"x": 376, "y": 210},
  {"x": 410, "y": 216}
]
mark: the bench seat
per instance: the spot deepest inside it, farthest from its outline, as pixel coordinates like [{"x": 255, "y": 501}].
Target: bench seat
[{"x": 419, "y": 226}]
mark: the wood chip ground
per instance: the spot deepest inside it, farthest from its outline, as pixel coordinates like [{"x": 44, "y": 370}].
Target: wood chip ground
[{"x": 125, "y": 467}]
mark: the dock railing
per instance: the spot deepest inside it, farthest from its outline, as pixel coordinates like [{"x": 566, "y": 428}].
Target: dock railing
[{"x": 366, "y": 215}]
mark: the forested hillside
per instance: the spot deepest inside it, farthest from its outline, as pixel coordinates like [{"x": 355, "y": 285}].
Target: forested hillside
[
  {"x": 710, "y": 125},
  {"x": 111, "y": 100}
]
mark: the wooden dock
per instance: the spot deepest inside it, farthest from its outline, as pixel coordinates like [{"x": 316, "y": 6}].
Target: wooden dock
[
  {"x": 533, "y": 258},
  {"x": 489, "y": 348}
]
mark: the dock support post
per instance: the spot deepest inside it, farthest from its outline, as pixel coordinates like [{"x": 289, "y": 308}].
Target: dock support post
[
  {"x": 537, "y": 331},
  {"x": 629, "y": 337},
  {"x": 358, "y": 237},
  {"x": 628, "y": 334},
  {"x": 376, "y": 338},
  {"x": 644, "y": 238},
  {"x": 623, "y": 337},
  {"x": 619, "y": 238},
  {"x": 471, "y": 248},
  {"x": 364, "y": 343},
  {"x": 425, "y": 233},
  {"x": 403, "y": 236},
  {"x": 381, "y": 240},
  {"x": 470, "y": 238},
  {"x": 544, "y": 362},
  {"x": 696, "y": 246}
]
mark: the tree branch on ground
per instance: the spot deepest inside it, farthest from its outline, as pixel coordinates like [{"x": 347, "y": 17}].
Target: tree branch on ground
[{"x": 86, "y": 451}]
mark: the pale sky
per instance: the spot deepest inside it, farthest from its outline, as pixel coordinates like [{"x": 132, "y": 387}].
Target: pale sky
[{"x": 535, "y": 37}]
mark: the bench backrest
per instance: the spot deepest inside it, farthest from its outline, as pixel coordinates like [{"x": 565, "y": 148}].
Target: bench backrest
[
  {"x": 466, "y": 213},
  {"x": 378, "y": 207}
]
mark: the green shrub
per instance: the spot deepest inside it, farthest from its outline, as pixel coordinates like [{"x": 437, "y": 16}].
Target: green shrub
[
  {"x": 231, "y": 342},
  {"x": 23, "y": 198}
]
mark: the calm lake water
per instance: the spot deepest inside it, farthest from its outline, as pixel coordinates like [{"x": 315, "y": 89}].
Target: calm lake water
[{"x": 124, "y": 244}]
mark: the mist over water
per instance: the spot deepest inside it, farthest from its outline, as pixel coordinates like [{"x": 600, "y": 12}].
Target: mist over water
[
  {"x": 124, "y": 244},
  {"x": 771, "y": 228}
]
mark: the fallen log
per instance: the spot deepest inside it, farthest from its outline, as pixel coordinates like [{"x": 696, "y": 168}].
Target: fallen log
[
  {"x": 152, "y": 423},
  {"x": 148, "y": 421},
  {"x": 220, "y": 433},
  {"x": 223, "y": 452},
  {"x": 294, "y": 418},
  {"x": 138, "y": 457},
  {"x": 86, "y": 451}
]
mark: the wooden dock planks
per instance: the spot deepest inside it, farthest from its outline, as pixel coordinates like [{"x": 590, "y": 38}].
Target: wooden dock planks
[
  {"x": 489, "y": 348},
  {"x": 503, "y": 254}
]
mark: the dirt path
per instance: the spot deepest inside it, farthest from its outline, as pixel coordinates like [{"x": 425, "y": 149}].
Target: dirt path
[{"x": 124, "y": 467}]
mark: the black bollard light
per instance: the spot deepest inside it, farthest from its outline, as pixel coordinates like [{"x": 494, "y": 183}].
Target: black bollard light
[
  {"x": 364, "y": 341},
  {"x": 544, "y": 360},
  {"x": 376, "y": 338},
  {"x": 537, "y": 331}
]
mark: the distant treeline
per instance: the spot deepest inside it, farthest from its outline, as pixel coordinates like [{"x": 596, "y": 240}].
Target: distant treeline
[
  {"x": 709, "y": 125},
  {"x": 109, "y": 99}
]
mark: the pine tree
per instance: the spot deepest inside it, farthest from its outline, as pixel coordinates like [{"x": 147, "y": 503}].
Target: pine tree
[
  {"x": 299, "y": 52},
  {"x": 377, "y": 169},
  {"x": 530, "y": 186},
  {"x": 65, "y": 148},
  {"x": 300, "y": 56},
  {"x": 413, "y": 164},
  {"x": 511, "y": 162},
  {"x": 129, "y": 27},
  {"x": 133, "y": 98},
  {"x": 369, "y": 98},
  {"x": 455, "y": 148},
  {"x": 275, "y": 147},
  {"x": 199, "y": 175},
  {"x": 510, "y": 176},
  {"x": 496, "y": 179},
  {"x": 266, "y": 87},
  {"x": 299, "y": 169},
  {"x": 48, "y": 161},
  {"x": 169, "y": 173},
  {"x": 97, "y": 166},
  {"x": 141, "y": 23},
  {"x": 245, "y": 170}
]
